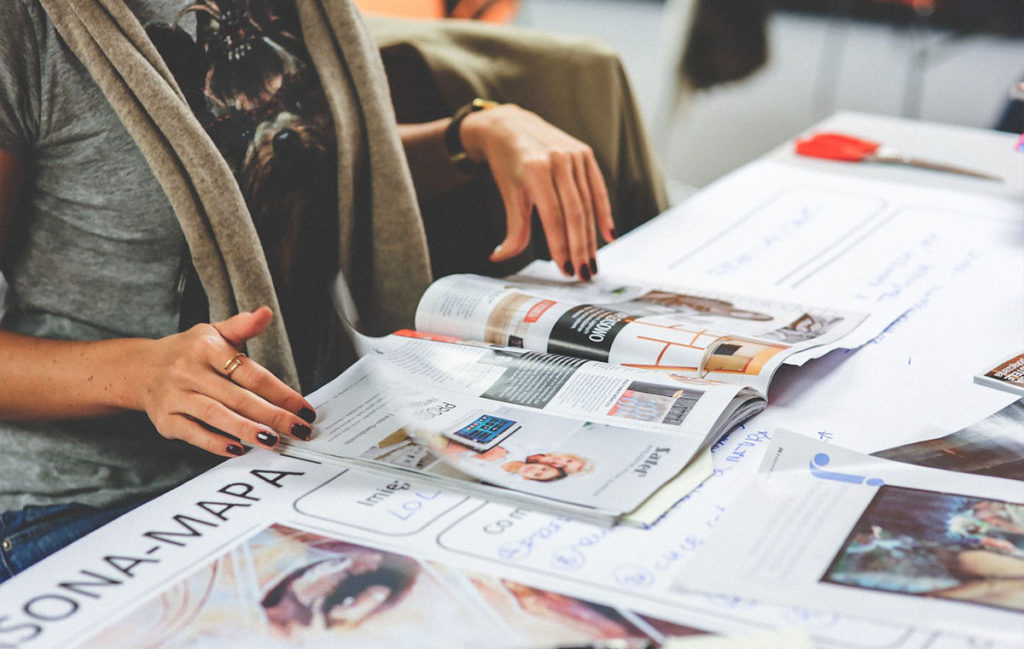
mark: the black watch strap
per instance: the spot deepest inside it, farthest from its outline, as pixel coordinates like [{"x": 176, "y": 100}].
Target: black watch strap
[{"x": 453, "y": 136}]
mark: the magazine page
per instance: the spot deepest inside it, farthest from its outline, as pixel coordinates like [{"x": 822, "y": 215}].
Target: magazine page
[
  {"x": 787, "y": 305},
  {"x": 678, "y": 332},
  {"x": 287, "y": 586},
  {"x": 1007, "y": 375},
  {"x": 873, "y": 537},
  {"x": 550, "y": 431},
  {"x": 574, "y": 387}
]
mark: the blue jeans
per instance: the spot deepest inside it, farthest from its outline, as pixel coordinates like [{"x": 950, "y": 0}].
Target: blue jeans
[{"x": 33, "y": 533}]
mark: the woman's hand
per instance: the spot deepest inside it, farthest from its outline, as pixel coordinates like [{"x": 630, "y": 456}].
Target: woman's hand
[
  {"x": 183, "y": 382},
  {"x": 536, "y": 165},
  {"x": 189, "y": 388}
]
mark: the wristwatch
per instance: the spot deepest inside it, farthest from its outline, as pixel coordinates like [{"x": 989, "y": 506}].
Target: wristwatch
[{"x": 453, "y": 136}]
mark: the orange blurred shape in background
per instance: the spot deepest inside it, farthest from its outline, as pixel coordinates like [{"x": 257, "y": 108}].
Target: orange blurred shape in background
[
  {"x": 489, "y": 10},
  {"x": 919, "y": 6}
]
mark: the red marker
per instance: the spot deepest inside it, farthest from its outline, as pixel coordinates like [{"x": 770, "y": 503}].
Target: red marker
[{"x": 837, "y": 146}]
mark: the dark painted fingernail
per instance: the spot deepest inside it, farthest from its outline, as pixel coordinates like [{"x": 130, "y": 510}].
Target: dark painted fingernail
[
  {"x": 307, "y": 415},
  {"x": 584, "y": 273},
  {"x": 593, "y": 266},
  {"x": 301, "y": 431},
  {"x": 267, "y": 439},
  {"x": 615, "y": 233},
  {"x": 568, "y": 268},
  {"x": 236, "y": 449}
]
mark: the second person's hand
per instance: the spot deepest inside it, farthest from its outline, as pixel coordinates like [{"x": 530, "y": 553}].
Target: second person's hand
[{"x": 536, "y": 165}]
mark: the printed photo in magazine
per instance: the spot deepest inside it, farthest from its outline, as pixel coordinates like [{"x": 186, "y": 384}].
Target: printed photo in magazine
[
  {"x": 285, "y": 587},
  {"x": 934, "y": 544}
]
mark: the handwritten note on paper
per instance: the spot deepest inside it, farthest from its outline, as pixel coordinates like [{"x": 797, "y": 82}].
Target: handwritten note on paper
[{"x": 769, "y": 240}]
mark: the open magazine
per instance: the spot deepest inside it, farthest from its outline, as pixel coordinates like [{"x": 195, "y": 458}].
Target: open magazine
[{"x": 598, "y": 401}]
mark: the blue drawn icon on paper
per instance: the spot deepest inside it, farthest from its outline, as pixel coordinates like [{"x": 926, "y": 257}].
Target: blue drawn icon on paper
[
  {"x": 812, "y": 618},
  {"x": 569, "y": 558},
  {"x": 822, "y": 459}
]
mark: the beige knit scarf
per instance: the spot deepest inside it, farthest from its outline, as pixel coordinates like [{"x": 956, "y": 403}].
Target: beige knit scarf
[{"x": 388, "y": 243}]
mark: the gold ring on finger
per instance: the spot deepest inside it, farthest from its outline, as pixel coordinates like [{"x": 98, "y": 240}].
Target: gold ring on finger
[{"x": 234, "y": 364}]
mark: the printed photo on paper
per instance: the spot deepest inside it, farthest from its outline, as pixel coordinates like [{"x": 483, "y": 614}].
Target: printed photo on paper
[{"x": 932, "y": 544}]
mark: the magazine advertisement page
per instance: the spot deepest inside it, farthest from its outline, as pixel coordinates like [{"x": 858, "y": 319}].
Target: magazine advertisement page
[
  {"x": 564, "y": 433},
  {"x": 873, "y": 537},
  {"x": 680, "y": 333}
]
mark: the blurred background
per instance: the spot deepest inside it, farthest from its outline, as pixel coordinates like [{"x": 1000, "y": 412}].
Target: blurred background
[{"x": 721, "y": 82}]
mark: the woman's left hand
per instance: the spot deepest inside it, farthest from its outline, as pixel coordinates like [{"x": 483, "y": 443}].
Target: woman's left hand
[{"x": 536, "y": 165}]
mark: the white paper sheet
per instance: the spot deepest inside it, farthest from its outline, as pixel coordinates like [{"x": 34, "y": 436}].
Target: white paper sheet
[
  {"x": 787, "y": 638},
  {"x": 953, "y": 261}
]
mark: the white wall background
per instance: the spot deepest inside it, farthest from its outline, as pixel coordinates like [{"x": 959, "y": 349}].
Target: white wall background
[{"x": 816, "y": 66}]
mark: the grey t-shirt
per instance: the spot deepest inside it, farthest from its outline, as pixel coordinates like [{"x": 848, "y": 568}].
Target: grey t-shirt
[{"x": 96, "y": 252}]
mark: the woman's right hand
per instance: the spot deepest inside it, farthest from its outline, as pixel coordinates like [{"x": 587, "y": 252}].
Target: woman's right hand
[{"x": 186, "y": 386}]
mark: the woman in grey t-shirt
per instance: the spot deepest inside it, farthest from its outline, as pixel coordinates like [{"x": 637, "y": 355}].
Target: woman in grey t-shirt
[{"x": 106, "y": 399}]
